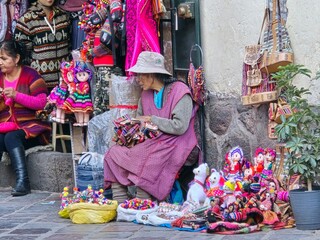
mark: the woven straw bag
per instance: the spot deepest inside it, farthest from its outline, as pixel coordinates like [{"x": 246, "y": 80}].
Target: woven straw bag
[{"x": 276, "y": 47}]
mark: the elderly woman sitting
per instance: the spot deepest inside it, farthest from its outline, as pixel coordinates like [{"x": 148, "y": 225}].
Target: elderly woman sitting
[{"x": 153, "y": 164}]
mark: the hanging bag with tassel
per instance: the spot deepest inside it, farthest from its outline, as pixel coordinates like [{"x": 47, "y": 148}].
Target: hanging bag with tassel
[
  {"x": 196, "y": 80},
  {"x": 276, "y": 47}
]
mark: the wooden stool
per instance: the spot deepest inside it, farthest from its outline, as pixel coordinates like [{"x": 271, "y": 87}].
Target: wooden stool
[{"x": 63, "y": 137}]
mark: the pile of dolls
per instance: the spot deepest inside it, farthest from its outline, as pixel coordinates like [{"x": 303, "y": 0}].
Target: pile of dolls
[
  {"x": 72, "y": 96},
  {"x": 88, "y": 195},
  {"x": 245, "y": 196},
  {"x": 88, "y": 206},
  {"x": 243, "y": 192}
]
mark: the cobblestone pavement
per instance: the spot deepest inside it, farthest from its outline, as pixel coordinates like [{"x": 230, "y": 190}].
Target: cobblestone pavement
[{"x": 35, "y": 216}]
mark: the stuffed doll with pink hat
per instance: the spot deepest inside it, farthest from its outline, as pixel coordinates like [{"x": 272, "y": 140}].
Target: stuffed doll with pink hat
[
  {"x": 59, "y": 94},
  {"x": 79, "y": 102},
  {"x": 259, "y": 158}
]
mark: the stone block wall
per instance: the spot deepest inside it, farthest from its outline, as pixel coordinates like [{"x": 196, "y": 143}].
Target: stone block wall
[
  {"x": 48, "y": 171},
  {"x": 229, "y": 124}
]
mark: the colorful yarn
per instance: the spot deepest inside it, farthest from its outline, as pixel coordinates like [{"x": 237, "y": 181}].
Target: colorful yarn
[{"x": 283, "y": 196}]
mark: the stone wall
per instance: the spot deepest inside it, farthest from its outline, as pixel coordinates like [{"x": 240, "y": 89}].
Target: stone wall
[{"x": 229, "y": 124}]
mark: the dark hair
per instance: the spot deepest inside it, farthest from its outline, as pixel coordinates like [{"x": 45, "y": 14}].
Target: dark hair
[
  {"x": 13, "y": 48},
  {"x": 165, "y": 78}
]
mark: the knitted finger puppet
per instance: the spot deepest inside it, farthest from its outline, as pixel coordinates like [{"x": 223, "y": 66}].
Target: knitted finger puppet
[
  {"x": 231, "y": 214},
  {"x": 59, "y": 94},
  {"x": 196, "y": 192},
  {"x": 79, "y": 102},
  {"x": 90, "y": 22}
]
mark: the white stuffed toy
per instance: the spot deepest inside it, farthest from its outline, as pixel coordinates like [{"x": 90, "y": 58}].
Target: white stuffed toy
[
  {"x": 214, "y": 179},
  {"x": 196, "y": 192},
  {"x": 214, "y": 182}
]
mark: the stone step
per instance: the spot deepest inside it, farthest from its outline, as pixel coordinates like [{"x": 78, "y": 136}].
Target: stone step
[{"x": 48, "y": 171}]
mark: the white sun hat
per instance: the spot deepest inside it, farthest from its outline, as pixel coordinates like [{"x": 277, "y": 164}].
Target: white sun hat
[{"x": 149, "y": 62}]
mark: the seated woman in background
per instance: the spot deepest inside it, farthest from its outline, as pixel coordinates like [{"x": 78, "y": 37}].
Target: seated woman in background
[
  {"x": 153, "y": 164},
  {"x": 23, "y": 92}
]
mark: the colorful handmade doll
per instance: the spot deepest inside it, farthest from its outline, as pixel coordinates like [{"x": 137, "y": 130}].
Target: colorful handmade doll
[
  {"x": 273, "y": 188},
  {"x": 234, "y": 162},
  {"x": 259, "y": 160},
  {"x": 270, "y": 157},
  {"x": 213, "y": 214},
  {"x": 248, "y": 172},
  {"x": 214, "y": 185},
  {"x": 229, "y": 196},
  {"x": 59, "y": 94},
  {"x": 79, "y": 102},
  {"x": 196, "y": 193},
  {"x": 266, "y": 206}
]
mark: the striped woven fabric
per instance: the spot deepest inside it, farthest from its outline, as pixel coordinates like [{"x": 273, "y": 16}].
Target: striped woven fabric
[
  {"x": 31, "y": 84},
  {"x": 47, "y": 45}
]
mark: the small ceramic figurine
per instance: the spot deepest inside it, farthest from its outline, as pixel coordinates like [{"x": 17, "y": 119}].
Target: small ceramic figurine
[{"x": 79, "y": 102}]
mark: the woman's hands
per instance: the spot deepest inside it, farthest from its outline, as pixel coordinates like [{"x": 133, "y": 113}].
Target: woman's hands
[
  {"x": 144, "y": 118},
  {"x": 9, "y": 92}
]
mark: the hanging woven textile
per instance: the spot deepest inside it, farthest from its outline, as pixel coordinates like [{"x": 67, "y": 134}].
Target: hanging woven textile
[
  {"x": 141, "y": 31},
  {"x": 196, "y": 82},
  {"x": 196, "y": 79},
  {"x": 158, "y": 10}
]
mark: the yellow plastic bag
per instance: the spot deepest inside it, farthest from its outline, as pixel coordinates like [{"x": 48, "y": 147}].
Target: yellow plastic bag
[
  {"x": 64, "y": 213},
  {"x": 82, "y": 213}
]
